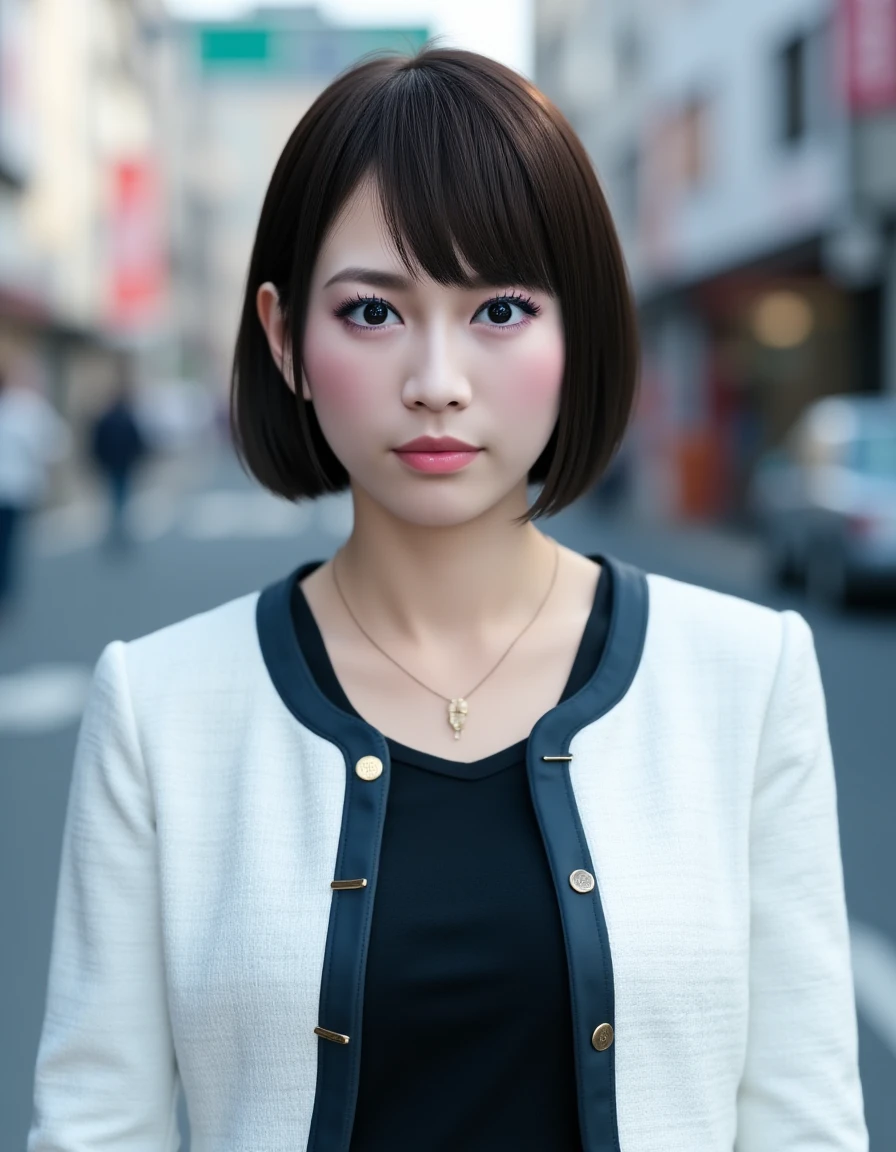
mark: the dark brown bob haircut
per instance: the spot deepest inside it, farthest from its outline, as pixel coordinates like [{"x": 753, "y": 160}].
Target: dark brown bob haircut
[{"x": 469, "y": 160}]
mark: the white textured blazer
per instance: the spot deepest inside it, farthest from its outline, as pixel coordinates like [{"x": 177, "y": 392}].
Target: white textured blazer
[{"x": 217, "y": 794}]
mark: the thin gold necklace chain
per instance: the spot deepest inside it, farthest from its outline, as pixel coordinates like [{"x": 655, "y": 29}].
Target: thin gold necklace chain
[{"x": 441, "y": 695}]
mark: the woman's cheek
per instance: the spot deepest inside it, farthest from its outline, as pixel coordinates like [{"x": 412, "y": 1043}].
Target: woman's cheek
[
  {"x": 339, "y": 377},
  {"x": 535, "y": 381}
]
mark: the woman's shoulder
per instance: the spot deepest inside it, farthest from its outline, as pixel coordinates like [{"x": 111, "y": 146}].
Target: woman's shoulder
[
  {"x": 210, "y": 630},
  {"x": 710, "y": 625},
  {"x": 697, "y": 601},
  {"x": 196, "y": 679},
  {"x": 198, "y": 654}
]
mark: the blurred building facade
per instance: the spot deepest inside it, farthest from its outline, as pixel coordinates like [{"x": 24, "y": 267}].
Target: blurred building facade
[
  {"x": 749, "y": 156},
  {"x": 242, "y": 86},
  {"x": 82, "y": 244},
  {"x": 135, "y": 150}
]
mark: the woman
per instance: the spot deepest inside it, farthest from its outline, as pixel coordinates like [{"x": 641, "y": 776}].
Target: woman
[{"x": 459, "y": 840}]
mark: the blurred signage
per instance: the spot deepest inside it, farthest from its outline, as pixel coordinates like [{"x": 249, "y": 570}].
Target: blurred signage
[
  {"x": 15, "y": 122},
  {"x": 870, "y": 30},
  {"x": 137, "y": 256},
  {"x": 312, "y": 53}
]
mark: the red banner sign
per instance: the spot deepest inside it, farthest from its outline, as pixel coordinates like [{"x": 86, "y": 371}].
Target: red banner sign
[
  {"x": 137, "y": 262},
  {"x": 870, "y": 33}
]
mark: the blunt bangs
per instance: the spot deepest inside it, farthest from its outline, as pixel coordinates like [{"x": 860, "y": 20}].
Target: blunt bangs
[
  {"x": 458, "y": 195},
  {"x": 478, "y": 175}
]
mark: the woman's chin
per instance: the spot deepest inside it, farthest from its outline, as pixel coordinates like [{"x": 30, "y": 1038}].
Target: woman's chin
[{"x": 436, "y": 505}]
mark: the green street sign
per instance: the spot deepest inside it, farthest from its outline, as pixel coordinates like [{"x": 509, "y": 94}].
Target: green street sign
[{"x": 313, "y": 53}]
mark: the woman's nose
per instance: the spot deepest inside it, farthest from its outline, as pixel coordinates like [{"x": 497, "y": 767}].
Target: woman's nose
[{"x": 436, "y": 379}]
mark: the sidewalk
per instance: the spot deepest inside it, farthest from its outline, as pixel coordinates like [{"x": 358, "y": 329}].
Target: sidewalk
[{"x": 76, "y": 514}]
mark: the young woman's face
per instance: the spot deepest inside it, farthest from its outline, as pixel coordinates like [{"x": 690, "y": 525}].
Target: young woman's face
[{"x": 388, "y": 359}]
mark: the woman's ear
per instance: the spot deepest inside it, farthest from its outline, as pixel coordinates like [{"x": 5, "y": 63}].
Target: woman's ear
[{"x": 267, "y": 302}]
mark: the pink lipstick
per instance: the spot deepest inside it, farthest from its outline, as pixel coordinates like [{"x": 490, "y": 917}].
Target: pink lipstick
[{"x": 437, "y": 454}]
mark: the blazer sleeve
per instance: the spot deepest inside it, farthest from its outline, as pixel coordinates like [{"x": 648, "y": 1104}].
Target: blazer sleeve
[
  {"x": 106, "y": 1075},
  {"x": 800, "y": 1090}
]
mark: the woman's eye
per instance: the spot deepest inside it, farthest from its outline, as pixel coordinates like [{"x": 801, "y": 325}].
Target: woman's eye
[
  {"x": 508, "y": 312},
  {"x": 367, "y": 313}
]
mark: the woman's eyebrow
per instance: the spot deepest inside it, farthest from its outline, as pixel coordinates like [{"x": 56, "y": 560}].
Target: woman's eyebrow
[
  {"x": 378, "y": 278},
  {"x": 373, "y": 276}
]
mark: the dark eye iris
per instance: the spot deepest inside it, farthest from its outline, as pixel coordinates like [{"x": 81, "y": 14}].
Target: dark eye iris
[
  {"x": 499, "y": 311},
  {"x": 375, "y": 312}
]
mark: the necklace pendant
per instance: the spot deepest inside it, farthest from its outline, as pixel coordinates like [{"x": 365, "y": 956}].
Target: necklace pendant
[{"x": 457, "y": 715}]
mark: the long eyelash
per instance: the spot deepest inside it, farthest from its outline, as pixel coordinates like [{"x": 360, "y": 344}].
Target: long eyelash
[
  {"x": 352, "y": 302},
  {"x": 525, "y": 302}
]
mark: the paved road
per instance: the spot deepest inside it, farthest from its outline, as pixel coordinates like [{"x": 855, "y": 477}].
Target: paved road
[{"x": 208, "y": 537}]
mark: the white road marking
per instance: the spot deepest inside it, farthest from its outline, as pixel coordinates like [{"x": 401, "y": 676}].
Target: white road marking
[
  {"x": 43, "y": 698},
  {"x": 58, "y": 531},
  {"x": 151, "y": 514},
  {"x": 874, "y": 971},
  {"x": 218, "y": 514},
  {"x": 227, "y": 514}
]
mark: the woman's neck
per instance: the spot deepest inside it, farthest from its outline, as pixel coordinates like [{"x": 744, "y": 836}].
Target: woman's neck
[{"x": 428, "y": 584}]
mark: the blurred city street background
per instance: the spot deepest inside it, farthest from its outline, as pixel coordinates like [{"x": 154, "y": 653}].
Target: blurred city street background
[{"x": 749, "y": 156}]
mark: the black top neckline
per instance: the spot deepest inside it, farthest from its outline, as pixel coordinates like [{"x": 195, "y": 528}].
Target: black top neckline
[
  {"x": 552, "y": 733},
  {"x": 315, "y": 652}
]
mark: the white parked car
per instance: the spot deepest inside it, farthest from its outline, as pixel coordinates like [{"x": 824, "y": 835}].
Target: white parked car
[{"x": 826, "y": 499}]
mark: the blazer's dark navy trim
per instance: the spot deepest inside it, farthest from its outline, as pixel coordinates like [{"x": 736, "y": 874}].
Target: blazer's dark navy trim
[
  {"x": 348, "y": 933},
  {"x": 363, "y": 813},
  {"x": 584, "y": 926}
]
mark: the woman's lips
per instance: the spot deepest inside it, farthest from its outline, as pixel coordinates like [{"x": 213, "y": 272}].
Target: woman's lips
[
  {"x": 437, "y": 453},
  {"x": 450, "y": 460}
]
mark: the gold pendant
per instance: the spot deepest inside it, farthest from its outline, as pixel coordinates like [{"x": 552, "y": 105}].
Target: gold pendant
[{"x": 457, "y": 715}]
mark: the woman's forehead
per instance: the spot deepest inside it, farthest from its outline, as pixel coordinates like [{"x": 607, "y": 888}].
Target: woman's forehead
[
  {"x": 359, "y": 238},
  {"x": 361, "y": 221}
]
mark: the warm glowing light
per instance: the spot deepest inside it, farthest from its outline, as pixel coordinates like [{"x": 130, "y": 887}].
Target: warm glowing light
[{"x": 783, "y": 320}]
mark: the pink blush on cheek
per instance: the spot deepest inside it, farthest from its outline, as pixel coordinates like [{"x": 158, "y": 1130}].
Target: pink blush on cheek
[
  {"x": 535, "y": 381},
  {"x": 339, "y": 381}
]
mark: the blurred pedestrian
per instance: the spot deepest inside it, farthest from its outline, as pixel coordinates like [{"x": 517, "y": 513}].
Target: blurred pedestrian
[
  {"x": 117, "y": 447},
  {"x": 33, "y": 436}
]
